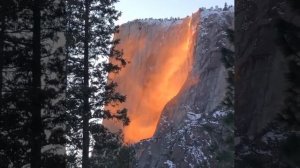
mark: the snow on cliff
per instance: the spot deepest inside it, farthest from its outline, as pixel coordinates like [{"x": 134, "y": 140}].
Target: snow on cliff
[{"x": 191, "y": 124}]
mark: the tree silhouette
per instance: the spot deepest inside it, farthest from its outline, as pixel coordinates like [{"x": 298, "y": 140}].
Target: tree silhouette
[
  {"x": 31, "y": 73},
  {"x": 91, "y": 57}
]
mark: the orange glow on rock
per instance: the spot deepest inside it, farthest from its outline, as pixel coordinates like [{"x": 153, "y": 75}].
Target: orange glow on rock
[{"x": 160, "y": 59}]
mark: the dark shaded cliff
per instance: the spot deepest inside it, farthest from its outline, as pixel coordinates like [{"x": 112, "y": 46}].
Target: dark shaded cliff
[{"x": 266, "y": 114}]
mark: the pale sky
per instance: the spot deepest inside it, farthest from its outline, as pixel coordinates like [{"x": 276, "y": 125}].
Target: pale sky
[{"x": 140, "y": 9}]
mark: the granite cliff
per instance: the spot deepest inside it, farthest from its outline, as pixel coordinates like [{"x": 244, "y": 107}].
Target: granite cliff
[{"x": 175, "y": 84}]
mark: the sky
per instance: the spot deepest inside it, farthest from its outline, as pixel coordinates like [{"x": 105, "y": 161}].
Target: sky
[{"x": 140, "y": 9}]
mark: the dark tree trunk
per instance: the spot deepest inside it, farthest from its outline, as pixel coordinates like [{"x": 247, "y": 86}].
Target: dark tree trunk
[
  {"x": 86, "y": 108},
  {"x": 2, "y": 21},
  {"x": 36, "y": 123}
]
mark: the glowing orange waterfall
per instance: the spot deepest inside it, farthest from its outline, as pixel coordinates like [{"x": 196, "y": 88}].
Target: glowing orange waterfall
[{"x": 160, "y": 55}]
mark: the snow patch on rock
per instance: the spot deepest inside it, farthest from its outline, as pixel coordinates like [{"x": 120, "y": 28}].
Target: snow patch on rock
[{"x": 170, "y": 164}]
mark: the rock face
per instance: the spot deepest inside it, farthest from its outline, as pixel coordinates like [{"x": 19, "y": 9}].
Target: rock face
[
  {"x": 160, "y": 53},
  {"x": 258, "y": 59},
  {"x": 174, "y": 84},
  {"x": 262, "y": 88},
  {"x": 184, "y": 136}
]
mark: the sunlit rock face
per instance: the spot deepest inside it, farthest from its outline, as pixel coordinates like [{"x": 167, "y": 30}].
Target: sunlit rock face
[
  {"x": 191, "y": 122},
  {"x": 160, "y": 55},
  {"x": 174, "y": 84}
]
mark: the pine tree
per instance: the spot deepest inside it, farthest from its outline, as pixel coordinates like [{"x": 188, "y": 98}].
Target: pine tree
[
  {"x": 47, "y": 61},
  {"x": 2, "y": 22},
  {"x": 228, "y": 61},
  {"x": 36, "y": 121},
  {"x": 225, "y": 155},
  {"x": 30, "y": 61},
  {"x": 91, "y": 57},
  {"x": 225, "y": 7},
  {"x": 289, "y": 41},
  {"x": 14, "y": 91},
  {"x": 109, "y": 150},
  {"x": 289, "y": 119}
]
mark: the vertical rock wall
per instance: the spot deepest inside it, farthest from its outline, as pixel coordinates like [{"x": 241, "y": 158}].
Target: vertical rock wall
[
  {"x": 182, "y": 138},
  {"x": 262, "y": 84},
  {"x": 160, "y": 57}
]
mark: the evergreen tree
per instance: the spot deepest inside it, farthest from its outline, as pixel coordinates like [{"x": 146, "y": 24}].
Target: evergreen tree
[
  {"x": 225, "y": 155},
  {"x": 14, "y": 84},
  {"x": 109, "y": 150},
  {"x": 228, "y": 61},
  {"x": 30, "y": 78},
  {"x": 36, "y": 95},
  {"x": 225, "y": 7},
  {"x": 2, "y": 22},
  {"x": 48, "y": 86},
  {"x": 91, "y": 57},
  {"x": 289, "y": 119},
  {"x": 289, "y": 41}
]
